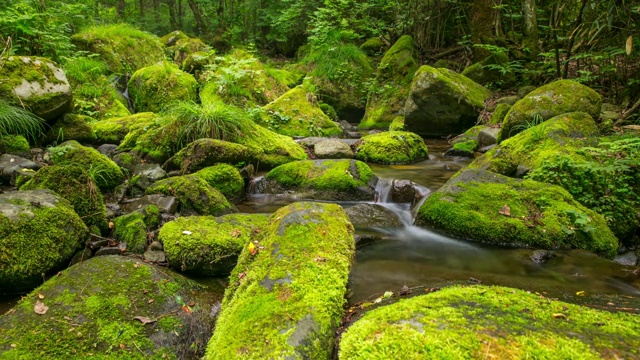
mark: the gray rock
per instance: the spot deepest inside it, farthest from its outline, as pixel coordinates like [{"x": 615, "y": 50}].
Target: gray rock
[
  {"x": 487, "y": 136},
  {"x": 403, "y": 191},
  {"x": 510, "y": 100},
  {"x": 108, "y": 251},
  {"x": 541, "y": 256},
  {"x": 628, "y": 258},
  {"x": 127, "y": 161},
  {"x": 10, "y": 164},
  {"x": 108, "y": 150},
  {"x": 364, "y": 216},
  {"x": 148, "y": 174},
  {"x": 81, "y": 256},
  {"x": 156, "y": 246},
  {"x": 155, "y": 256},
  {"x": 332, "y": 149},
  {"x": 166, "y": 204},
  {"x": 484, "y": 149}
]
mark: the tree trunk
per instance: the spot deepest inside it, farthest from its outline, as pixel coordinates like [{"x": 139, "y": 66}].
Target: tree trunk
[
  {"x": 483, "y": 18},
  {"x": 530, "y": 29},
  {"x": 173, "y": 16},
  {"x": 141, "y": 9},
  {"x": 120, "y": 8},
  {"x": 197, "y": 14}
]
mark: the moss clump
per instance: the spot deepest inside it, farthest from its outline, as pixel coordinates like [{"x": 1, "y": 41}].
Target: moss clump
[
  {"x": 226, "y": 179},
  {"x": 465, "y": 148},
  {"x": 14, "y": 144},
  {"x": 208, "y": 152},
  {"x": 37, "y": 84},
  {"x": 102, "y": 170},
  {"x": 290, "y": 78},
  {"x": 296, "y": 113},
  {"x": 373, "y": 46},
  {"x": 392, "y": 147},
  {"x": 153, "y": 87},
  {"x": 71, "y": 127},
  {"x": 287, "y": 292},
  {"x": 443, "y": 102},
  {"x": 133, "y": 227},
  {"x": 102, "y": 297},
  {"x": 472, "y": 205},
  {"x": 39, "y": 233},
  {"x": 115, "y": 130},
  {"x": 124, "y": 48},
  {"x": 387, "y": 97},
  {"x": 212, "y": 244},
  {"x": 73, "y": 183},
  {"x": 323, "y": 180},
  {"x": 489, "y": 322},
  {"x": 194, "y": 194},
  {"x": 499, "y": 113},
  {"x": 548, "y": 101}
]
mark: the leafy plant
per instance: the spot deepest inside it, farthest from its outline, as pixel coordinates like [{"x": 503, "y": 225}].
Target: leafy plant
[
  {"x": 534, "y": 125},
  {"x": 18, "y": 121}
]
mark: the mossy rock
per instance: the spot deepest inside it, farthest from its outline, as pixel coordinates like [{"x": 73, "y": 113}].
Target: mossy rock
[
  {"x": 548, "y": 101},
  {"x": 472, "y": 322},
  {"x": 172, "y": 38},
  {"x": 36, "y": 83},
  {"x": 271, "y": 149},
  {"x": 133, "y": 228},
  {"x": 392, "y": 147},
  {"x": 124, "y": 48},
  {"x": 105, "y": 172},
  {"x": 486, "y": 72},
  {"x": 39, "y": 233},
  {"x": 208, "y": 152},
  {"x": 153, "y": 87},
  {"x": 391, "y": 88},
  {"x": 115, "y": 130},
  {"x": 497, "y": 116},
  {"x": 443, "y": 102},
  {"x": 289, "y": 77},
  {"x": 73, "y": 183},
  {"x": 185, "y": 47},
  {"x": 15, "y": 145},
  {"x": 296, "y": 113},
  {"x": 226, "y": 179},
  {"x": 463, "y": 149},
  {"x": 71, "y": 127},
  {"x": 286, "y": 295},
  {"x": 118, "y": 307},
  {"x": 195, "y": 62},
  {"x": 206, "y": 245},
  {"x": 322, "y": 180},
  {"x": 397, "y": 124},
  {"x": 373, "y": 46},
  {"x": 491, "y": 208},
  {"x": 194, "y": 194}
]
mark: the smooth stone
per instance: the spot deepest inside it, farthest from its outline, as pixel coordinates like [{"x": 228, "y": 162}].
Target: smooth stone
[
  {"x": 488, "y": 136},
  {"x": 155, "y": 256},
  {"x": 166, "y": 204},
  {"x": 108, "y": 150},
  {"x": 108, "y": 251},
  {"x": 148, "y": 174},
  {"x": 9, "y": 164},
  {"x": 403, "y": 191},
  {"x": 372, "y": 215},
  {"x": 628, "y": 259},
  {"x": 332, "y": 149},
  {"x": 542, "y": 256}
]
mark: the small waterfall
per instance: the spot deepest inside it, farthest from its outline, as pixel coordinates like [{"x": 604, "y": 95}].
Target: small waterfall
[
  {"x": 424, "y": 193},
  {"x": 253, "y": 187},
  {"x": 383, "y": 190}
]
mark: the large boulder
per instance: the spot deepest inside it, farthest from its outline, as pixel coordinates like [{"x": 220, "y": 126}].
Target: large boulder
[
  {"x": 110, "y": 307},
  {"x": 321, "y": 180},
  {"x": 296, "y": 113},
  {"x": 442, "y": 102},
  {"x": 154, "y": 87},
  {"x": 548, "y": 101},
  {"x": 208, "y": 152},
  {"x": 39, "y": 84},
  {"x": 226, "y": 178},
  {"x": 206, "y": 245},
  {"x": 286, "y": 295},
  {"x": 388, "y": 94},
  {"x": 487, "y": 207},
  {"x": 489, "y": 322},
  {"x": 39, "y": 233},
  {"x": 194, "y": 195},
  {"x": 332, "y": 149},
  {"x": 392, "y": 147}
]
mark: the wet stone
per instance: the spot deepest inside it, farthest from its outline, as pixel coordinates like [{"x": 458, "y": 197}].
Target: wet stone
[
  {"x": 403, "y": 191},
  {"x": 629, "y": 258},
  {"x": 10, "y": 164},
  {"x": 108, "y": 150},
  {"x": 541, "y": 256},
  {"x": 108, "y": 251},
  {"x": 166, "y": 204},
  {"x": 81, "y": 256}
]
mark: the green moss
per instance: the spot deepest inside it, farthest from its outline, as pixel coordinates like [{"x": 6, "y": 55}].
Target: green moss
[
  {"x": 102, "y": 170},
  {"x": 556, "y": 98},
  {"x": 226, "y": 179},
  {"x": 329, "y": 111},
  {"x": 115, "y": 130},
  {"x": 71, "y": 127},
  {"x": 171, "y": 38},
  {"x": 296, "y": 113},
  {"x": 133, "y": 227},
  {"x": 194, "y": 195},
  {"x": 39, "y": 233},
  {"x": 466, "y": 147},
  {"x": 286, "y": 295},
  {"x": 393, "y": 147},
  {"x": 286, "y": 77},
  {"x": 92, "y": 314},
  {"x": 195, "y": 62},
  {"x": 540, "y": 215},
  {"x": 183, "y": 48},
  {"x": 73, "y": 183},
  {"x": 271, "y": 149},
  {"x": 499, "y": 113},
  {"x": 205, "y": 245},
  {"x": 124, "y": 48},
  {"x": 397, "y": 124},
  {"x": 489, "y": 322},
  {"x": 14, "y": 144},
  {"x": 373, "y": 46},
  {"x": 153, "y": 87}
]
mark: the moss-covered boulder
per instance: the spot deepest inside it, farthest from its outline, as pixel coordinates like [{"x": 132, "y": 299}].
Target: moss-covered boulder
[
  {"x": 36, "y": 83},
  {"x": 195, "y": 62},
  {"x": 71, "y": 127},
  {"x": 105, "y": 172},
  {"x": 373, "y": 46},
  {"x": 322, "y": 180},
  {"x": 226, "y": 179},
  {"x": 39, "y": 233},
  {"x": 389, "y": 92},
  {"x": 497, "y": 116},
  {"x": 465, "y": 145},
  {"x": 183, "y": 48},
  {"x": 272, "y": 149},
  {"x": 124, "y": 48},
  {"x": 206, "y": 245},
  {"x": 442, "y": 102},
  {"x": 194, "y": 194},
  {"x": 172, "y": 38},
  {"x": 487, "y": 207},
  {"x": 296, "y": 113},
  {"x": 556, "y": 98},
  {"x": 153, "y": 87},
  {"x": 392, "y": 147},
  {"x": 133, "y": 228},
  {"x": 15, "y": 145},
  {"x": 492, "y": 71},
  {"x": 73, "y": 183},
  {"x": 208, "y": 152},
  {"x": 489, "y": 322},
  {"x": 115, "y": 130},
  {"x": 287, "y": 292},
  {"x": 110, "y": 307}
]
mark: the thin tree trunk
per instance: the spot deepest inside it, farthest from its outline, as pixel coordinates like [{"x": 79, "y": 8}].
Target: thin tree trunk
[
  {"x": 530, "y": 29},
  {"x": 483, "y": 17},
  {"x": 173, "y": 16},
  {"x": 197, "y": 14},
  {"x": 141, "y": 9},
  {"x": 572, "y": 38},
  {"x": 120, "y": 8}
]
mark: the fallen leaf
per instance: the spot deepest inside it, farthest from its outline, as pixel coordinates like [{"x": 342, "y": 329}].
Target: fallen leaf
[
  {"x": 192, "y": 303},
  {"x": 242, "y": 275},
  {"x": 236, "y": 233},
  {"x": 111, "y": 224},
  {"x": 187, "y": 232},
  {"x": 150, "y": 301},
  {"x": 560, "y": 316},
  {"x": 40, "y": 296},
  {"x": 611, "y": 304},
  {"x": 252, "y": 248},
  {"x": 136, "y": 265},
  {"x": 581, "y": 293},
  {"x": 474, "y": 280},
  {"x": 40, "y": 308},
  {"x": 506, "y": 211},
  {"x": 122, "y": 346},
  {"x": 186, "y": 309},
  {"x": 143, "y": 319},
  {"x": 629, "y": 46},
  {"x": 387, "y": 294}
]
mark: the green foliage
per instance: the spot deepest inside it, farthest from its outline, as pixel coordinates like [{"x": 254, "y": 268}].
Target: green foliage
[{"x": 17, "y": 121}]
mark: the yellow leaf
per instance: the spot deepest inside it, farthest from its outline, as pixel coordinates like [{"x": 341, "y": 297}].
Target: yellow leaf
[
  {"x": 560, "y": 316},
  {"x": 580, "y": 293},
  {"x": 629, "y": 44},
  {"x": 252, "y": 248}
]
